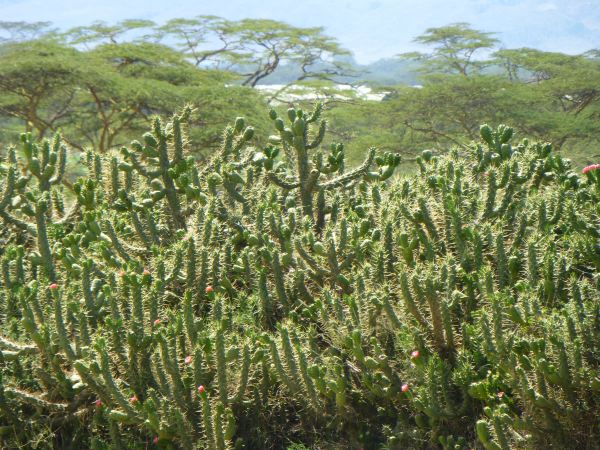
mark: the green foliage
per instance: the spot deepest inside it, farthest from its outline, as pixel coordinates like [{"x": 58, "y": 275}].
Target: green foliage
[
  {"x": 100, "y": 84},
  {"x": 454, "y": 46},
  {"x": 548, "y": 95},
  {"x": 105, "y": 96},
  {"x": 269, "y": 298}
]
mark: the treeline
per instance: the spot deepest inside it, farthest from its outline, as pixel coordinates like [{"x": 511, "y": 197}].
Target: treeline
[
  {"x": 101, "y": 83},
  {"x": 467, "y": 80}
]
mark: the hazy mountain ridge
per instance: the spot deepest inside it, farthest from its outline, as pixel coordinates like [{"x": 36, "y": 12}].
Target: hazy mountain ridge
[{"x": 383, "y": 72}]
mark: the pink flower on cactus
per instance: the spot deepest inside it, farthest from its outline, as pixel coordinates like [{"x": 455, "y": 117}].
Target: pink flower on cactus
[
  {"x": 54, "y": 286},
  {"x": 201, "y": 390},
  {"x": 133, "y": 400},
  {"x": 590, "y": 168},
  {"x": 121, "y": 273},
  {"x": 415, "y": 354},
  {"x": 146, "y": 272},
  {"x": 500, "y": 394},
  {"x": 157, "y": 322},
  {"x": 98, "y": 403},
  {"x": 155, "y": 440},
  {"x": 188, "y": 359},
  {"x": 405, "y": 388},
  {"x": 209, "y": 289}
]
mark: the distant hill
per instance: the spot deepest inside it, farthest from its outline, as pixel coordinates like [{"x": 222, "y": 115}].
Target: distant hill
[{"x": 383, "y": 72}]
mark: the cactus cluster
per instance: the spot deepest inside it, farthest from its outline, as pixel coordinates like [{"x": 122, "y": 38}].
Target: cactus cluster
[{"x": 270, "y": 297}]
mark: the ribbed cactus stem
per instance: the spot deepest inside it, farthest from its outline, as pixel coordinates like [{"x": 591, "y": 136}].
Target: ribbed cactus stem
[
  {"x": 279, "y": 283},
  {"x": 390, "y": 257},
  {"x": 221, "y": 367},
  {"x": 290, "y": 360},
  {"x": 190, "y": 324},
  {"x": 266, "y": 304},
  {"x": 41, "y": 209},
  {"x": 184, "y": 431},
  {"x": 61, "y": 330},
  {"x": 411, "y": 305},
  {"x": 448, "y": 328},
  {"x": 436, "y": 313},
  {"x": 501, "y": 261},
  {"x": 244, "y": 375},
  {"x": 219, "y": 432},
  {"x": 281, "y": 372},
  {"x": 171, "y": 364},
  {"x": 165, "y": 165},
  {"x": 391, "y": 313},
  {"x": 207, "y": 421},
  {"x": 500, "y": 432},
  {"x": 115, "y": 393},
  {"x": 308, "y": 384}
]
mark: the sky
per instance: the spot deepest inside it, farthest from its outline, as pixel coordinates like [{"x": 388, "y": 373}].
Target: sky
[{"x": 371, "y": 29}]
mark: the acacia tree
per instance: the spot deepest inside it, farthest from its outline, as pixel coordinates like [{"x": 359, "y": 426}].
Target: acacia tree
[
  {"x": 119, "y": 103},
  {"x": 95, "y": 96},
  {"x": 139, "y": 80},
  {"x": 565, "y": 89},
  {"x": 100, "y": 32},
  {"x": 101, "y": 89},
  {"x": 11, "y": 32},
  {"x": 453, "y": 48},
  {"x": 202, "y": 39},
  {"x": 449, "y": 109},
  {"x": 255, "y": 48},
  {"x": 265, "y": 45},
  {"x": 455, "y": 97},
  {"x": 573, "y": 80},
  {"x": 38, "y": 83}
]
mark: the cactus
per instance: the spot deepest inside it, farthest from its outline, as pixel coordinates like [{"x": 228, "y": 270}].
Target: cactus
[
  {"x": 296, "y": 141},
  {"x": 277, "y": 295}
]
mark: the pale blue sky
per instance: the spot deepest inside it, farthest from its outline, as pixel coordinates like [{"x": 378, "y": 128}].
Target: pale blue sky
[{"x": 372, "y": 29}]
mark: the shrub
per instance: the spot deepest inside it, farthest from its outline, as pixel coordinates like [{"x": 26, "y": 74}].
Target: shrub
[{"x": 270, "y": 299}]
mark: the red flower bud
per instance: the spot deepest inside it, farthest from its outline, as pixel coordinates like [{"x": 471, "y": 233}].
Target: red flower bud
[
  {"x": 590, "y": 168},
  {"x": 208, "y": 289},
  {"x": 146, "y": 272},
  {"x": 155, "y": 440},
  {"x": 98, "y": 403},
  {"x": 201, "y": 390},
  {"x": 405, "y": 388},
  {"x": 188, "y": 359},
  {"x": 157, "y": 322},
  {"x": 415, "y": 354},
  {"x": 133, "y": 400},
  {"x": 54, "y": 286}
]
